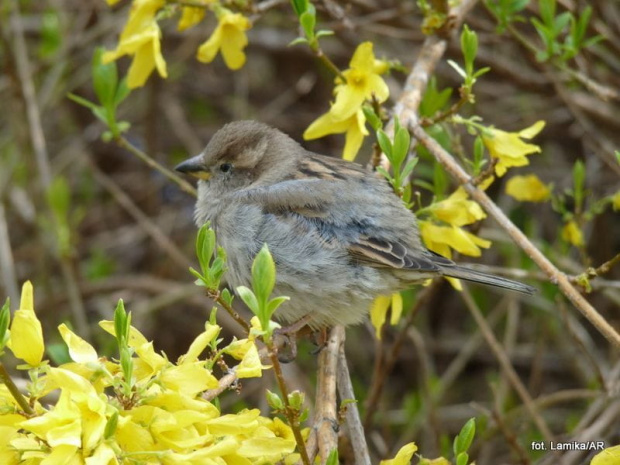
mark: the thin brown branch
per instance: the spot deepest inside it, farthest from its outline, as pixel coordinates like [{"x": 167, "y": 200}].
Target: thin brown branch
[
  {"x": 291, "y": 415},
  {"x": 555, "y": 275},
  {"x": 354, "y": 423},
  {"x": 6, "y": 379},
  {"x": 506, "y": 365},
  {"x": 182, "y": 183},
  {"x": 326, "y": 416}
]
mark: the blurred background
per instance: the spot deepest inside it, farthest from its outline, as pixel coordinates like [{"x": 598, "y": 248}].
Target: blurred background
[{"x": 89, "y": 223}]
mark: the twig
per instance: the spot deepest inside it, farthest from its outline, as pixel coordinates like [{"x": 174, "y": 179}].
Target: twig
[
  {"x": 10, "y": 385},
  {"x": 291, "y": 415},
  {"x": 215, "y": 295},
  {"x": 7, "y": 263},
  {"x": 555, "y": 275},
  {"x": 182, "y": 183},
  {"x": 326, "y": 416},
  {"x": 382, "y": 371},
  {"x": 162, "y": 241},
  {"x": 505, "y": 364},
  {"x": 354, "y": 423},
  {"x": 37, "y": 137}
]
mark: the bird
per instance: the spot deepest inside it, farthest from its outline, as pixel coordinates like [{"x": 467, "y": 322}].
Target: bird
[{"x": 338, "y": 234}]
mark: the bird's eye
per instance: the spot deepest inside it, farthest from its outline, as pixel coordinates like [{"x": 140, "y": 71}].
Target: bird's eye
[{"x": 225, "y": 167}]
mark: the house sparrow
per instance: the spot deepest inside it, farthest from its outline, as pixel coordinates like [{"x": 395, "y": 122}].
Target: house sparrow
[{"x": 338, "y": 234}]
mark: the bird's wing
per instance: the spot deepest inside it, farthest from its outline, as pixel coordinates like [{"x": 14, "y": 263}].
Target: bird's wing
[{"x": 325, "y": 207}]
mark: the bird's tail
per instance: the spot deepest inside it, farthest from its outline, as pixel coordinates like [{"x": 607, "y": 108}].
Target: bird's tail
[{"x": 478, "y": 277}]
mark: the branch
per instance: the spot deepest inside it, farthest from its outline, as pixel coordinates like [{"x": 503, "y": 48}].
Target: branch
[{"x": 555, "y": 275}]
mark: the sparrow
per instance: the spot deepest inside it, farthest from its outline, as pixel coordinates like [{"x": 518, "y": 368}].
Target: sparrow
[{"x": 338, "y": 234}]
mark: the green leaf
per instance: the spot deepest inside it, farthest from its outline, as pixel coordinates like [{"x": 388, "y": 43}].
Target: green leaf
[
  {"x": 465, "y": 437},
  {"x": 5, "y": 320},
  {"x": 323, "y": 33},
  {"x": 409, "y": 167},
  {"x": 385, "y": 143},
  {"x": 462, "y": 458},
  {"x": 51, "y": 37},
  {"x": 121, "y": 328},
  {"x": 308, "y": 21},
  {"x": 122, "y": 91},
  {"x": 300, "y": 6},
  {"x": 372, "y": 117},
  {"x": 332, "y": 458},
  {"x": 263, "y": 275},
  {"x": 579, "y": 176},
  {"x": 250, "y": 299},
  {"x": 227, "y": 296},
  {"x": 105, "y": 79},
  {"x": 299, "y": 40},
  {"x": 110, "y": 427},
  {"x": 400, "y": 148},
  {"x": 547, "y": 11},
  {"x": 458, "y": 69},
  {"x": 273, "y": 304},
  {"x": 469, "y": 46},
  {"x": 274, "y": 401}
]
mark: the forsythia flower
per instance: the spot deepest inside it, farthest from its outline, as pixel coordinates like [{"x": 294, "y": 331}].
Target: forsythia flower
[
  {"x": 163, "y": 419},
  {"x": 457, "y": 209},
  {"x": 26, "y": 340},
  {"x": 379, "y": 309},
  {"x": 140, "y": 38},
  {"x": 354, "y": 127},
  {"x": 362, "y": 81},
  {"x": 509, "y": 148},
  {"x": 527, "y": 188},
  {"x": 403, "y": 457},
  {"x": 572, "y": 234},
  {"x": 192, "y": 15},
  {"x": 609, "y": 456},
  {"x": 229, "y": 37}
]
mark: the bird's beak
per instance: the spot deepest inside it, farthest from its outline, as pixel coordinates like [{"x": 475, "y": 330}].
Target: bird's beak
[{"x": 194, "y": 167}]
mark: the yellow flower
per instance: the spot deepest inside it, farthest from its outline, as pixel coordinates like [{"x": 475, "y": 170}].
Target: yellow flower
[
  {"x": 140, "y": 38},
  {"x": 609, "y": 456},
  {"x": 80, "y": 351},
  {"x": 509, "y": 148},
  {"x": 362, "y": 82},
  {"x": 379, "y": 309},
  {"x": 457, "y": 209},
  {"x": 189, "y": 378},
  {"x": 192, "y": 15},
  {"x": 229, "y": 37},
  {"x": 200, "y": 343},
  {"x": 354, "y": 127},
  {"x": 26, "y": 339},
  {"x": 440, "y": 239},
  {"x": 572, "y": 234},
  {"x": 527, "y": 188},
  {"x": 403, "y": 457},
  {"x": 615, "y": 201}
]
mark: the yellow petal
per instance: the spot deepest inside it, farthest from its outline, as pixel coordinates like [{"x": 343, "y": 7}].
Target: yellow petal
[
  {"x": 397, "y": 308},
  {"x": 200, "y": 343},
  {"x": 26, "y": 338},
  {"x": 609, "y": 456},
  {"x": 208, "y": 50},
  {"x": 527, "y": 188},
  {"x": 324, "y": 125},
  {"x": 190, "y": 16},
  {"x": 363, "y": 57},
  {"x": 378, "y": 312},
  {"x": 243, "y": 422},
  {"x": 404, "y": 455},
  {"x": 273, "y": 448},
  {"x": 250, "y": 366},
  {"x": 189, "y": 379},
  {"x": 355, "y": 135},
  {"x": 349, "y": 99},
  {"x": 572, "y": 234},
  {"x": 80, "y": 351},
  {"x": 27, "y": 298},
  {"x": 533, "y": 130}
]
